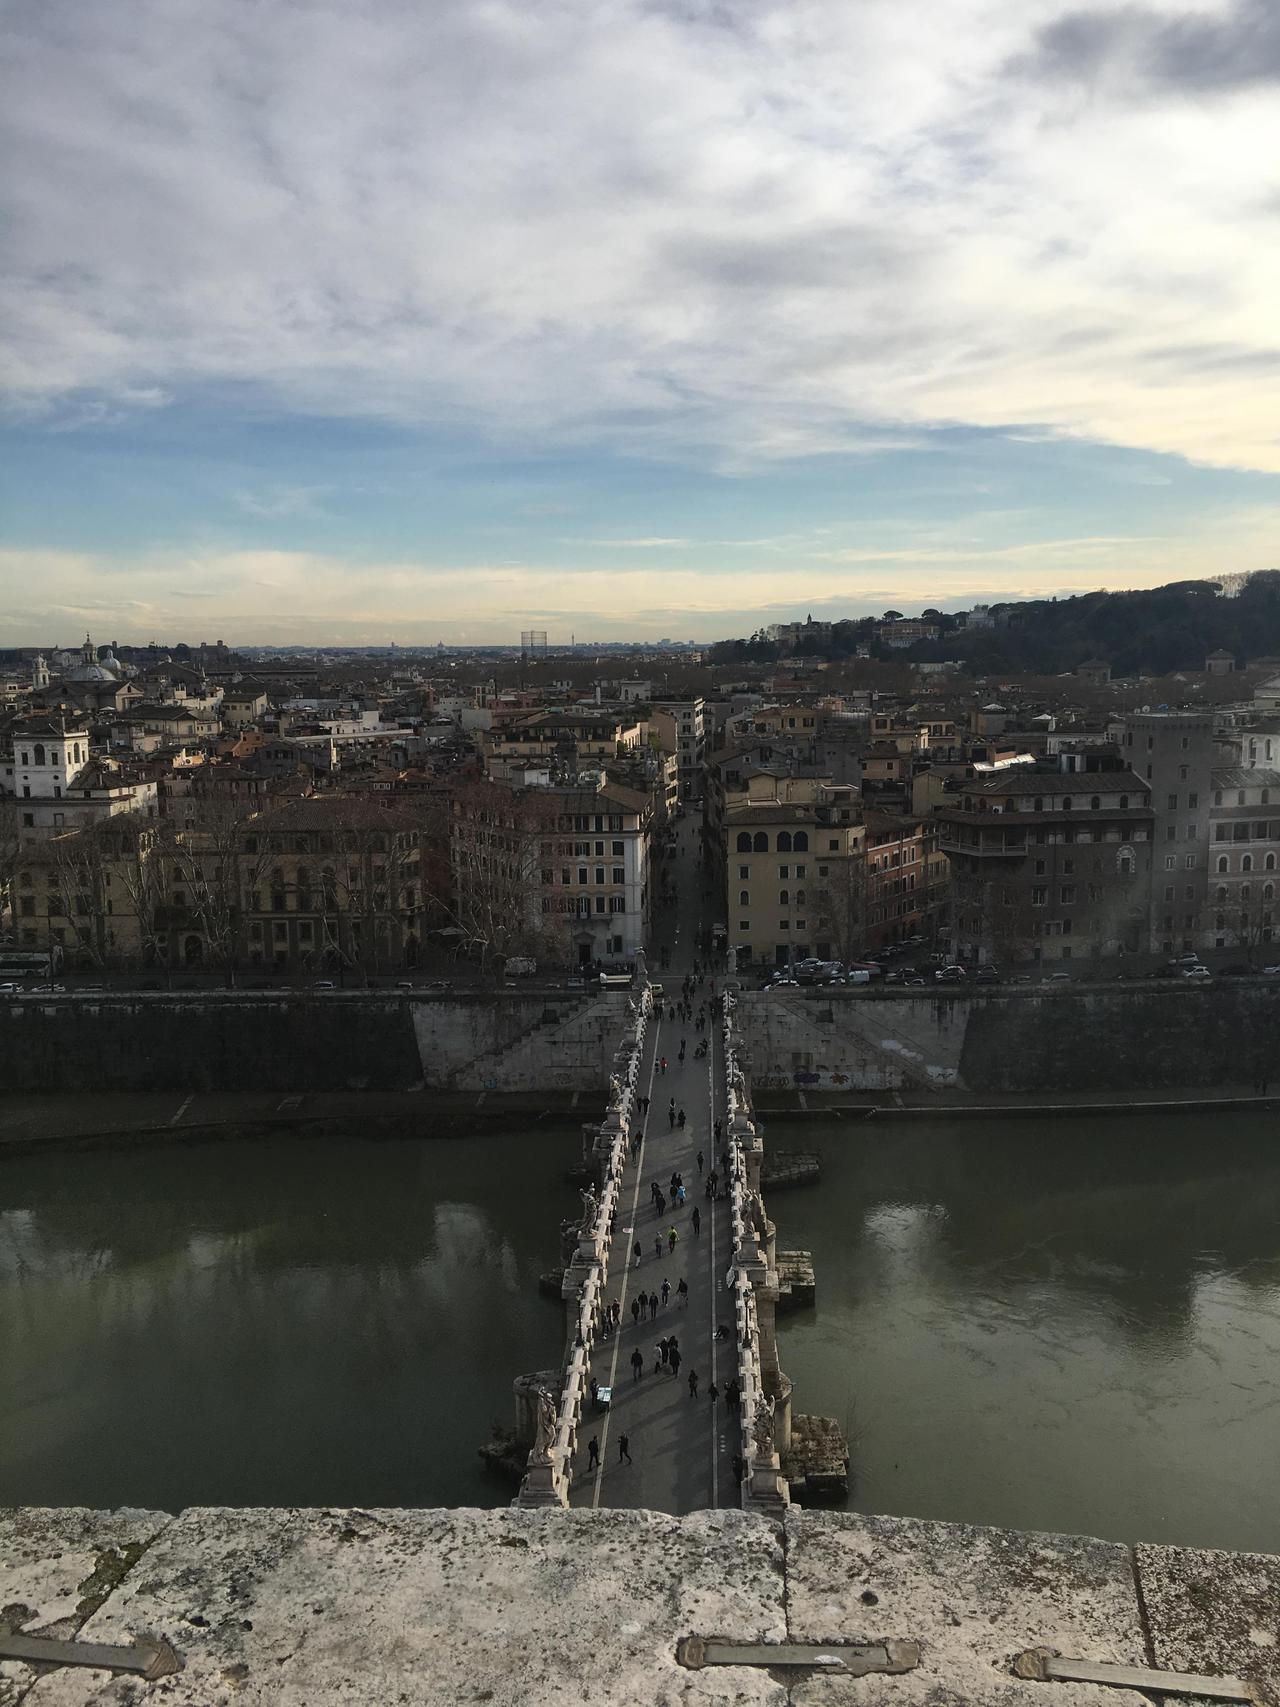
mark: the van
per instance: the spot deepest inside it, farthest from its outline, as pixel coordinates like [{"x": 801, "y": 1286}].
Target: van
[{"x": 858, "y": 976}]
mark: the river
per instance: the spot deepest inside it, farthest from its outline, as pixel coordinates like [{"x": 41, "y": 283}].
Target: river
[
  {"x": 1051, "y": 1324},
  {"x": 1064, "y": 1324}
]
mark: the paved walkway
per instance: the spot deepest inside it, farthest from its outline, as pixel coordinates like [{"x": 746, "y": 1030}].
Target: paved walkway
[{"x": 681, "y": 1460}]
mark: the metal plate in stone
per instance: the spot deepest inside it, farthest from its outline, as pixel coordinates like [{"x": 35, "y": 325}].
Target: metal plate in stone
[
  {"x": 853, "y": 1660},
  {"x": 149, "y": 1657}
]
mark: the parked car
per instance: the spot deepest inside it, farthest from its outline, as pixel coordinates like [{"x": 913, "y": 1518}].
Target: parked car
[
  {"x": 986, "y": 975},
  {"x": 1197, "y": 974},
  {"x": 913, "y": 978},
  {"x": 950, "y": 975},
  {"x": 1058, "y": 978},
  {"x": 783, "y": 984},
  {"x": 1180, "y": 960},
  {"x": 324, "y": 984},
  {"x": 1271, "y": 971}
]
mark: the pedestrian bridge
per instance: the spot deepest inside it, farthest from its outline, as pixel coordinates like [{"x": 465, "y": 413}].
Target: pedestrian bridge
[{"x": 704, "y": 1429}]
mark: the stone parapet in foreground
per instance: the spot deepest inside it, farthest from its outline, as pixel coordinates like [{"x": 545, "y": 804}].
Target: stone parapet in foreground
[{"x": 306, "y": 1608}]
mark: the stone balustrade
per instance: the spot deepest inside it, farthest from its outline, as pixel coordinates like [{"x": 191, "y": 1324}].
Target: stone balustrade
[
  {"x": 764, "y": 1488},
  {"x": 549, "y": 1477}
]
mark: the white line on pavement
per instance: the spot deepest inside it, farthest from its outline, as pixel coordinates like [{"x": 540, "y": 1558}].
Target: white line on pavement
[{"x": 183, "y": 1108}]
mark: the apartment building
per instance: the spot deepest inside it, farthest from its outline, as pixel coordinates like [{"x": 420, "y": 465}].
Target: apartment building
[
  {"x": 691, "y": 742},
  {"x": 1049, "y": 865},
  {"x": 793, "y": 869},
  {"x": 1173, "y": 752}
]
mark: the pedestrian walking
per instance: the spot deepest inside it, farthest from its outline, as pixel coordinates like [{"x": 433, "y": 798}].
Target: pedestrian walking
[
  {"x": 653, "y": 1306},
  {"x": 593, "y": 1453},
  {"x": 715, "y": 1131},
  {"x": 635, "y": 1310},
  {"x": 680, "y": 1055},
  {"x": 671, "y": 1116},
  {"x": 657, "y": 1246},
  {"x": 693, "y": 1383},
  {"x": 666, "y": 1294},
  {"x": 699, "y": 1164},
  {"x": 637, "y": 1253},
  {"x": 637, "y": 1364},
  {"x": 672, "y": 1236},
  {"x": 682, "y": 1290},
  {"x": 739, "y": 1467},
  {"x": 673, "y": 1358},
  {"x": 680, "y": 1196},
  {"x": 595, "y": 1389},
  {"x": 680, "y": 1119},
  {"x": 664, "y": 1347},
  {"x": 697, "y": 1219},
  {"x": 659, "y": 1205},
  {"x": 624, "y": 1449},
  {"x": 662, "y": 1065},
  {"x": 713, "y": 1392}
]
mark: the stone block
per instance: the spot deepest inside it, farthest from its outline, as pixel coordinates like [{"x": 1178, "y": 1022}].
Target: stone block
[
  {"x": 1214, "y": 1612},
  {"x": 442, "y": 1609},
  {"x": 972, "y": 1598}
]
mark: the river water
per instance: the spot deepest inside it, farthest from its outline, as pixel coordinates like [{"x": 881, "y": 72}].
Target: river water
[
  {"x": 1065, "y": 1324},
  {"x": 1052, "y": 1324}
]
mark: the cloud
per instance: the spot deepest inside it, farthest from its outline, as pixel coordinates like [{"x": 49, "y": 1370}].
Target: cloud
[
  {"x": 680, "y": 230},
  {"x": 1145, "y": 46},
  {"x": 633, "y": 544}
]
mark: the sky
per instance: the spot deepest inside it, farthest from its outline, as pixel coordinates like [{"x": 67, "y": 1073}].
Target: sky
[{"x": 348, "y": 324}]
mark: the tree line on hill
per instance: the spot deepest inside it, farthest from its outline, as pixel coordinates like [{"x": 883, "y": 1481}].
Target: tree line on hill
[{"x": 1154, "y": 630}]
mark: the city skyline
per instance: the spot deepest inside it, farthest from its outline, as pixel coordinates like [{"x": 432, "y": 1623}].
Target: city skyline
[{"x": 640, "y": 320}]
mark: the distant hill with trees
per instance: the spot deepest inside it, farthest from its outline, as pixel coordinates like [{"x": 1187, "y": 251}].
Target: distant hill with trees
[{"x": 1154, "y": 630}]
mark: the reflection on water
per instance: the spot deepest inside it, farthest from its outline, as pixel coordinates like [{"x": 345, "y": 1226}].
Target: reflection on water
[
  {"x": 1059, "y": 1325},
  {"x": 275, "y": 1323}
]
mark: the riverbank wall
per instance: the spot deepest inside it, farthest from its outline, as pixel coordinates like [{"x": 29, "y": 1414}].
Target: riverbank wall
[
  {"x": 281, "y": 1608},
  {"x": 1085, "y": 1038}
]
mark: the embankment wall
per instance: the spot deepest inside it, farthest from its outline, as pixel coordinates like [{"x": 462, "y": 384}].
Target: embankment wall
[{"x": 1102, "y": 1038}]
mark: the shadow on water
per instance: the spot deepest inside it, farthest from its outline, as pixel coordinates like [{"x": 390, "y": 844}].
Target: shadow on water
[
  {"x": 279, "y": 1323},
  {"x": 1066, "y": 1324}
]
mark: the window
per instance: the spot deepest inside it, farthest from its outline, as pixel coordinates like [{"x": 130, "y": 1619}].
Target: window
[
  {"x": 744, "y": 924},
  {"x": 1170, "y": 862},
  {"x": 1039, "y": 895},
  {"x": 1246, "y": 862},
  {"x": 1269, "y": 864},
  {"x": 744, "y": 897},
  {"x": 1124, "y": 802},
  {"x": 1220, "y": 893},
  {"x": 744, "y": 871},
  {"x": 1169, "y": 892},
  {"x": 1183, "y": 773},
  {"x": 1193, "y": 800},
  {"x": 1067, "y": 894},
  {"x": 618, "y": 850},
  {"x": 784, "y": 897},
  {"x": 800, "y": 844},
  {"x": 1217, "y": 797},
  {"x": 744, "y": 841},
  {"x": 760, "y": 842},
  {"x": 833, "y": 846},
  {"x": 599, "y": 876},
  {"x": 1068, "y": 866},
  {"x": 1190, "y": 862},
  {"x": 784, "y": 871},
  {"x": 1224, "y": 864},
  {"x": 619, "y": 874},
  {"x": 582, "y": 874},
  {"x": 784, "y": 841},
  {"x": 799, "y": 871},
  {"x": 1095, "y": 803},
  {"x": 1190, "y": 833}
]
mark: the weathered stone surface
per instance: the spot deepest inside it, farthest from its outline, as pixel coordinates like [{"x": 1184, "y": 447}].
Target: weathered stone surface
[
  {"x": 1214, "y": 1612},
  {"x": 972, "y": 1598},
  {"x": 305, "y": 1608},
  {"x": 58, "y": 1566}
]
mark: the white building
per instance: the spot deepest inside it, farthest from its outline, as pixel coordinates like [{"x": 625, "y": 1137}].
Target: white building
[
  {"x": 691, "y": 741},
  {"x": 58, "y": 786}
]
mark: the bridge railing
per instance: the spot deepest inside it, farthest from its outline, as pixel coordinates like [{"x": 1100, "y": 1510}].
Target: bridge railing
[
  {"x": 549, "y": 1477},
  {"x": 764, "y": 1486}
]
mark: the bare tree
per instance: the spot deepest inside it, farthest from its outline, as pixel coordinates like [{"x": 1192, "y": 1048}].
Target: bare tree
[
  {"x": 10, "y": 852},
  {"x": 215, "y": 865},
  {"x": 497, "y": 842},
  {"x": 840, "y": 906}
]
